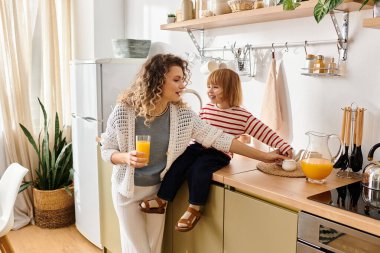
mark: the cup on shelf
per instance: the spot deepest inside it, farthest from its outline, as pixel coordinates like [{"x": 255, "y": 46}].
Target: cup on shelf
[{"x": 208, "y": 66}]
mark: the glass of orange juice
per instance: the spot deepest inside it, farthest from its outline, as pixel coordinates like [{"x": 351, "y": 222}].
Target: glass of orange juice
[{"x": 143, "y": 145}]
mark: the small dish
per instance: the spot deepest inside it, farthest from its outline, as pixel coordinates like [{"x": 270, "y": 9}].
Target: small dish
[{"x": 289, "y": 165}]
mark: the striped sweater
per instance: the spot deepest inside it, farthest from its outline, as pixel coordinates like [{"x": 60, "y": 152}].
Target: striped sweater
[{"x": 237, "y": 121}]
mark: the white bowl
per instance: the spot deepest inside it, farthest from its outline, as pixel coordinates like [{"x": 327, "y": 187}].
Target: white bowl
[{"x": 289, "y": 165}]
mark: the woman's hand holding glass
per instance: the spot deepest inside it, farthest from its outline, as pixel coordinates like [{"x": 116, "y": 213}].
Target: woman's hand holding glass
[{"x": 134, "y": 159}]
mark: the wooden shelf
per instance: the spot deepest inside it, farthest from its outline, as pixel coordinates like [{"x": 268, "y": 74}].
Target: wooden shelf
[
  {"x": 257, "y": 16},
  {"x": 372, "y": 23}
]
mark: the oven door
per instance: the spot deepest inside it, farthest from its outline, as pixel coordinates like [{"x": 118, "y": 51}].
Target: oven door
[
  {"x": 304, "y": 248},
  {"x": 328, "y": 236}
]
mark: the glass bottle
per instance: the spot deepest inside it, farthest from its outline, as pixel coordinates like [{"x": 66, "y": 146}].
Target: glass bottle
[
  {"x": 317, "y": 161},
  {"x": 331, "y": 67},
  {"x": 204, "y": 8},
  {"x": 309, "y": 64},
  {"x": 319, "y": 65}
]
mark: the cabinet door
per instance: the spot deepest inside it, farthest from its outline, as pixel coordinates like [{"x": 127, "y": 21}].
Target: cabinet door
[
  {"x": 109, "y": 225},
  {"x": 252, "y": 225},
  {"x": 167, "y": 242},
  {"x": 207, "y": 236}
]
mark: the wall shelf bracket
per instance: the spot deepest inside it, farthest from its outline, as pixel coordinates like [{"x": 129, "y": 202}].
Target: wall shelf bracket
[
  {"x": 194, "y": 40},
  {"x": 342, "y": 34}
]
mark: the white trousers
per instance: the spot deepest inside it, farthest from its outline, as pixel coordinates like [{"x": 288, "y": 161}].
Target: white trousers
[{"x": 139, "y": 232}]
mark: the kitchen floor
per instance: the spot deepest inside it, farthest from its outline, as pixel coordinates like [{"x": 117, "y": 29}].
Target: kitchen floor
[{"x": 33, "y": 239}]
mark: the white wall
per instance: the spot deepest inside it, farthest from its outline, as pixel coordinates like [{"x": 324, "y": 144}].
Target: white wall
[
  {"x": 315, "y": 102},
  {"x": 95, "y": 24}
]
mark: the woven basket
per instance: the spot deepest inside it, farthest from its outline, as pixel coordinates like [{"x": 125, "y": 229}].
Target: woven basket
[
  {"x": 241, "y": 5},
  {"x": 53, "y": 209}
]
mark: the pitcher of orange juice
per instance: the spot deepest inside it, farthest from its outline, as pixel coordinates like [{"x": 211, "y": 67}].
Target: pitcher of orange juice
[{"x": 317, "y": 161}]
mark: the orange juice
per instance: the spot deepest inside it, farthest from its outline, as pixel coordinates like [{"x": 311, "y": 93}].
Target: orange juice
[
  {"x": 316, "y": 168},
  {"x": 143, "y": 146}
]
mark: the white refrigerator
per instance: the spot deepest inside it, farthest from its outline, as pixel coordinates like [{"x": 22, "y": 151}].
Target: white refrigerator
[{"x": 95, "y": 87}]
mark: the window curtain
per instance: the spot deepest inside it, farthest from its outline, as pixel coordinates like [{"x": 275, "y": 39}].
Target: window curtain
[{"x": 34, "y": 62}]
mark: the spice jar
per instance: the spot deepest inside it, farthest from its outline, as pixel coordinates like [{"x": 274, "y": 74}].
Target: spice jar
[
  {"x": 319, "y": 65},
  {"x": 258, "y": 4},
  {"x": 309, "y": 64},
  {"x": 331, "y": 67}
]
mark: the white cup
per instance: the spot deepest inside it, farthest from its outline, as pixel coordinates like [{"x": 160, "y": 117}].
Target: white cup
[
  {"x": 209, "y": 66},
  {"x": 289, "y": 165}
]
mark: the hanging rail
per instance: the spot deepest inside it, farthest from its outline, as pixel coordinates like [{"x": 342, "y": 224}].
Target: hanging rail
[{"x": 276, "y": 45}]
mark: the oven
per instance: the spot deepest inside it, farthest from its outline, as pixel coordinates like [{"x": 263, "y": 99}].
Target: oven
[{"x": 316, "y": 234}]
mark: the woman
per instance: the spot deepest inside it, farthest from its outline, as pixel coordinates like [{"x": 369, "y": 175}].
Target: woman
[
  {"x": 153, "y": 106},
  {"x": 197, "y": 164}
]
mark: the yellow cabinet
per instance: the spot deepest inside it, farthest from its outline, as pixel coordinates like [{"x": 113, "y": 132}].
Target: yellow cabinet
[
  {"x": 207, "y": 236},
  {"x": 110, "y": 236},
  {"x": 252, "y": 225}
]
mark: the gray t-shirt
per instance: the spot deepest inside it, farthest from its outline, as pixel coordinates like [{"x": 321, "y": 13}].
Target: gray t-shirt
[{"x": 159, "y": 142}]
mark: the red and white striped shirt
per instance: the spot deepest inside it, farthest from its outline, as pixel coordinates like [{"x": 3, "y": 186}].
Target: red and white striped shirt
[{"x": 237, "y": 121}]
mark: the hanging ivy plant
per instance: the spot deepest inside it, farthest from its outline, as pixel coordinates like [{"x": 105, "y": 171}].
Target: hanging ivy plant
[
  {"x": 289, "y": 5},
  {"x": 323, "y": 7}
]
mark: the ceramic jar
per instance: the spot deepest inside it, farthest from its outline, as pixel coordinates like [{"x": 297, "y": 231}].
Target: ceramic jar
[
  {"x": 219, "y": 7},
  {"x": 376, "y": 10},
  {"x": 187, "y": 9}
]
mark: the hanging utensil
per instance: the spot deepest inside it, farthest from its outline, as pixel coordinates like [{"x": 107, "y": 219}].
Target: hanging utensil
[
  {"x": 341, "y": 161},
  {"x": 358, "y": 161},
  {"x": 345, "y": 158},
  {"x": 353, "y": 163}
]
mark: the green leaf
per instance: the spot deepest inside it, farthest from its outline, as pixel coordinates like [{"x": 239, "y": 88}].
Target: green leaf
[
  {"x": 30, "y": 138},
  {"x": 63, "y": 165},
  {"x": 323, "y": 7},
  {"x": 364, "y": 3},
  {"x": 24, "y": 186},
  {"x": 320, "y": 11},
  {"x": 289, "y": 5},
  {"x": 44, "y": 112},
  {"x": 67, "y": 189}
]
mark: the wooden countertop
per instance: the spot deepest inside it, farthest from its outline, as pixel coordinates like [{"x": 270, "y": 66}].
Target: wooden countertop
[{"x": 291, "y": 193}]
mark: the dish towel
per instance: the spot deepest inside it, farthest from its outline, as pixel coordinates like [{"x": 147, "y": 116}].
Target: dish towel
[{"x": 270, "y": 109}]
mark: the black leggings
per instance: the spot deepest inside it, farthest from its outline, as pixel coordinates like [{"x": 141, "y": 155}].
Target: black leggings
[{"x": 196, "y": 164}]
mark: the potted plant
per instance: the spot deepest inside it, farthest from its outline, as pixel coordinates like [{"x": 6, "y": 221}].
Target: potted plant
[
  {"x": 52, "y": 186},
  {"x": 323, "y": 7},
  {"x": 171, "y": 18}
]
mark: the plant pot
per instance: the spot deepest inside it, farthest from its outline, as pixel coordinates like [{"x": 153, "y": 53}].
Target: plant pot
[
  {"x": 376, "y": 9},
  {"x": 171, "y": 20},
  {"x": 53, "y": 209}
]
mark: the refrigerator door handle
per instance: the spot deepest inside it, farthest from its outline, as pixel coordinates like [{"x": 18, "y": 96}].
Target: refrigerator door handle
[{"x": 88, "y": 119}]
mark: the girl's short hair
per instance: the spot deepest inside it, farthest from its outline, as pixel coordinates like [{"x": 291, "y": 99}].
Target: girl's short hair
[
  {"x": 146, "y": 90},
  {"x": 230, "y": 82}
]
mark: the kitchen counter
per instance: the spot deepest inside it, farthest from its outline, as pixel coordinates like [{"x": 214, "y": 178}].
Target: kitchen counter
[{"x": 291, "y": 193}]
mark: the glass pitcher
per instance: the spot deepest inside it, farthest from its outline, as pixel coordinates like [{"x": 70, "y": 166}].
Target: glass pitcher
[{"x": 317, "y": 161}]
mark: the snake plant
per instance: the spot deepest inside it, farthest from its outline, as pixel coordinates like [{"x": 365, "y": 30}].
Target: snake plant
[{"x": 55, "y": 164}]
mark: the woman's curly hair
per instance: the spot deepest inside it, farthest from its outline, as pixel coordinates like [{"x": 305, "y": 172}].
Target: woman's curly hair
[{"x": 146, "y": 91}]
